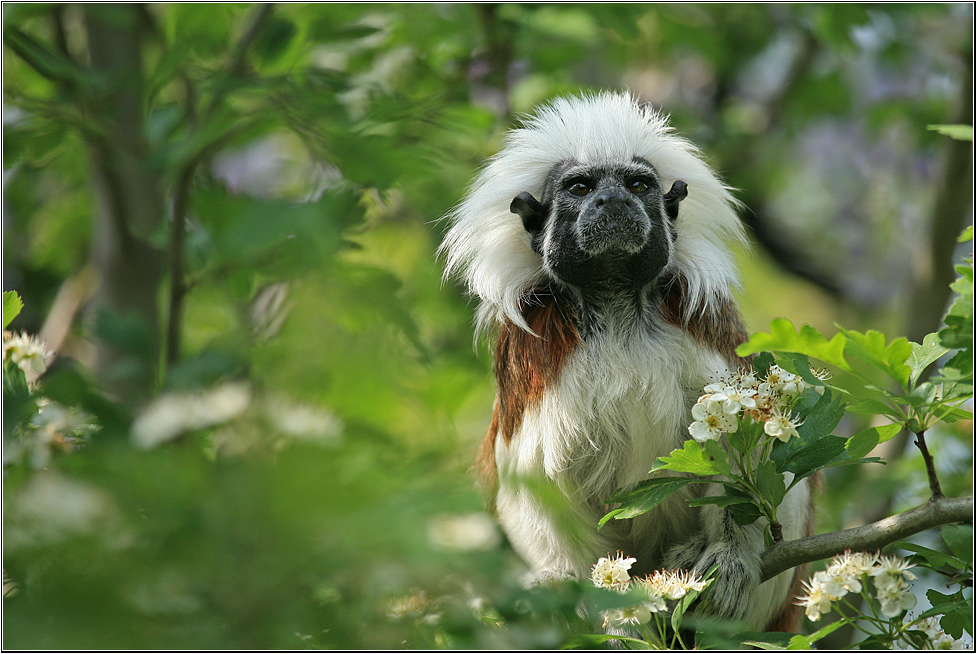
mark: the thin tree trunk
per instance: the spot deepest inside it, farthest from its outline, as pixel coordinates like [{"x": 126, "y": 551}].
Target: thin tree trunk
[{"x": 129, "y": 209}]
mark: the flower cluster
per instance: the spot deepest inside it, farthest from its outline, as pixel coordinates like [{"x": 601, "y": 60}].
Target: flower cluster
[
  {"x": 765, "y": 400},
  {"x": 414, "y": 605},
  {"x": 656, "y": 589},
  {"x": 847, "y": 573},
  {"x": 27, "y": 353},
  {"x": 939, "y": 639}
]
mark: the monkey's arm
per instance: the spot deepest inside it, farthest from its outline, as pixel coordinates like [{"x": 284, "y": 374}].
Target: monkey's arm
[
  {"x": 737, "y": 592},
  {"x": 555, "y": 537}
]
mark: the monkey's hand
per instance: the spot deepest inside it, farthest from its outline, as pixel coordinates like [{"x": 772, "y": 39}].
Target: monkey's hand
[{"x": 734, "y": 591}]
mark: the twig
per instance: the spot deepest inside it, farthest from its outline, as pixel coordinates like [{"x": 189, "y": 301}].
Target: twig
[
  {"x": 178, "y": 287},
  {"x": 936, "y": 512},
  {"x": 181, "y": 192},
  {"x": 935, "y": 489},
  {"x": 235, "y": 61}
]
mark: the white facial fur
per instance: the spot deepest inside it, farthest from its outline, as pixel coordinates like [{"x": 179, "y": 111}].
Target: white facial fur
[{"x": 488, "y": 247}]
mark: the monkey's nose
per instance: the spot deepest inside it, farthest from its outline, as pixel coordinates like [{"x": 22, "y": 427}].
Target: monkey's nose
[{"x": 609, "y": 196}]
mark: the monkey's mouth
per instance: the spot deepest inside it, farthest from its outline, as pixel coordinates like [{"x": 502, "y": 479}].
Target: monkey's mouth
[{"x": 610, "y": 232}]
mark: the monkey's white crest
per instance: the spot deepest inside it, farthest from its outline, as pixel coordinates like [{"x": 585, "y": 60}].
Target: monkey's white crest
[{"x": 490, "y": 249}]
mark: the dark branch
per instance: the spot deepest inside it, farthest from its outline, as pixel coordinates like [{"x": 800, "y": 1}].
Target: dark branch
[{"x": 935, "y": 489}]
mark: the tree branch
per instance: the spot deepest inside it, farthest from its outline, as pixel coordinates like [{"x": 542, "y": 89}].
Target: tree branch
[
  {"x": 936, "y": 512},
  {"x": 935, "y": 489},
  {"x": 236, "y": 59},
  {"x": 178, "y": 287}
]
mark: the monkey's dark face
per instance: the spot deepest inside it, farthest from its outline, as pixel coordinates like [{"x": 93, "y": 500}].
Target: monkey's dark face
[{"x": 602, "y": 227}]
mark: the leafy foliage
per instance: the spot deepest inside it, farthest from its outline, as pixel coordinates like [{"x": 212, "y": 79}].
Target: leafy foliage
[{"x": 254, "y": 430}]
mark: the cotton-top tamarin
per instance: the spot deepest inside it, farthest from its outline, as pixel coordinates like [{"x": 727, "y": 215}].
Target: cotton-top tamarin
[{"x": 597, "y": 243}]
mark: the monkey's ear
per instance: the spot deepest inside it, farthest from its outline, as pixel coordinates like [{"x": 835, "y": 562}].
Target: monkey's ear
[
  {"x": 532, "y": 211},
  {"x": 676, "y": 194}
]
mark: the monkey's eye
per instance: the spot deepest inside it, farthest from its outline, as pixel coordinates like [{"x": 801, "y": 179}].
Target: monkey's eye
[
  {"x": 579, "y": 188},
  {"x": 638, "y": 186}
]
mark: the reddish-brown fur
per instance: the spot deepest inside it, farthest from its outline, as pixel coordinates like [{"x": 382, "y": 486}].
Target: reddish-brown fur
[
  {"x": 525, "y": 365},
  {"x": 717, "y": 325}
]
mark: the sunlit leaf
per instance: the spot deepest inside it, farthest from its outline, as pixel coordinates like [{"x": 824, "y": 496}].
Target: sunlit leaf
[
  {"x": 958, "y": 132},
  {"x": 925, "y": 354},
  {"x": 699, "y": 459},
  {"x": 871, "y": 348},
  {"x": 783, "y": 337},
  {"x": 12, "y": 304}
]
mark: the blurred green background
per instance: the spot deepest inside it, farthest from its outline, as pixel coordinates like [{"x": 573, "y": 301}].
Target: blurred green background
[{"x": 222, "y": 219}]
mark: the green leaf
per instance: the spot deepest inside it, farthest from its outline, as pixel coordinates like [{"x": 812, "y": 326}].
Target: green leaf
[
  {"x": 931, "y": 558},
  {"x": 770, "y": 482},
  {"x": 768, "y": 640},
  {"x": 800, "y": 364},
  {"x": 874, "y": 407},
  {"x": 274, "y": 38},
  {"x": 958, "y": 132},
  {"x": 822, "y": 417},
  {"x": 746, "y": 437},
  {"x": 12, "y": 304},
  {"x": 959, "y": 320},
  {"x": 645, "y": 496},
  {"x": 871, "y": 348},
  {"x": 784, "y": 338},
  {"x": 960, "y": 540},
  {"x": 719, "y": 500},
  {"x": 954, "y": 622},
  {"x": 938, "y": 599},
  {"x": 814, "y": 457},
  {"x": 925, "y": 354},
  {"x": 805, "y": 642},
  {"x": 743, "y": 513},
  {"x": 865, "y": 441},
  {"x": 762, "y": 362},
  {"x": 694, "y": 458}
]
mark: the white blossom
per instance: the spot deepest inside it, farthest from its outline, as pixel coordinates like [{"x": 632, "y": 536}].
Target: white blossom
[
  {"x": 175, "y": 413},
  {"x": 735, "y": 399},
  {"x": 711, "y": 421},
  {"x": 892, "y": 570},
  {"x": 780, "y": 425},
  {"x": 895, "y": 597},
  {"x": 27, "y": 352},
  {"x": 846, "y": 570},
  {"x": 816, "y": 600},
  {"x": 628, "y": 615},
  {"x": 612, "y": 573},
  {"x": 835, "y": 585},
  {"x": 671, "y": 584},
  {"x": 939, "y": 639},
  {"x": 845, "y": 573},
  {"x": 474, "y": 531},
  {"x": 415, "y": 605}
]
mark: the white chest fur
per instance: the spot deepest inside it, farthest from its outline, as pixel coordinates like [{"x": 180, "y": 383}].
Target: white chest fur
[{"x": 620, "y": 403}]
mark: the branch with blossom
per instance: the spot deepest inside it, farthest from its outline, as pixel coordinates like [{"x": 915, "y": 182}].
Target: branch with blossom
[
  {"x": 756, "y": 433},
  {"x": 882, "y": 590},
  {"x": 660, "y": 599},
  {"x": 759, "y": 433}
]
